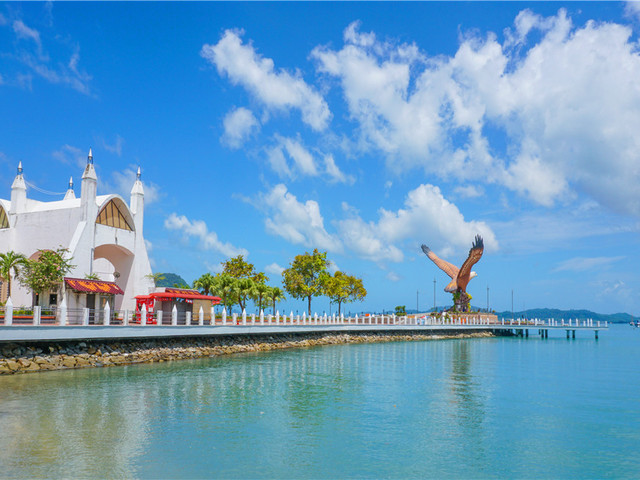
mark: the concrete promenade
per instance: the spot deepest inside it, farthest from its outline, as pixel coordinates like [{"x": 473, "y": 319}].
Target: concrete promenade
[{"x": 45, "y": 333}]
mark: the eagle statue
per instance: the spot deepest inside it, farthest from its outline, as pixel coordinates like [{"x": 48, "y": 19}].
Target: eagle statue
[{"x": 460, "y": 277}]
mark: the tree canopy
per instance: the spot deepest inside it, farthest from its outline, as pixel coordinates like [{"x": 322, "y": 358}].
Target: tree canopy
[
  {"x": 46, "y": 272},
  {"x": 306, "y": 276},
  {"x": 11, "y": 262},
  {"x": 342, "y": 288}
]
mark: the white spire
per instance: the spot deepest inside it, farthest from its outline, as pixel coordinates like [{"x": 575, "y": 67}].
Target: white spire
[
  {"x": 137, "y": 186},
  {"x": 18, "y": 182},
  {"x": 18, "y": 192},
  {"x": 90, "y": 156},
  {"x": 20, "y": 167},
  {"x": 70, "y": 193}
]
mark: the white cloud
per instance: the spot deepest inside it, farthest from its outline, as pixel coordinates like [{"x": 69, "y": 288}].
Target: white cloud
[
  {"x": 566, "y": 105},
  {"x": 301, "y": 157},
  {"x": 427, "y": 218},
  {"x": 257, "y": 74},
  {"x": 116, "y": 147},
  {"x": 632, "y": 9},
  {"x": 274, "y": 269},
  {"x": 198, "y": 229},
  {"x": 297, "y": 222},
  {"x": 26, "y": 33},
  {"x": 122, "y": 182},
  {"x": 394, "y": 277},
  {"x": 238, "y": 126},
  {"x": 71, "y": 155},
  {"x": 469, "y": 191},
  {"x": 581, "y": 264},
  {"x": 335, "y": 174}
]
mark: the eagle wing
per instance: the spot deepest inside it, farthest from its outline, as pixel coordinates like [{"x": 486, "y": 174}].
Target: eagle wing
[
  {"x": 475, "y": 253},
  {"x": 445, "y": 266}
]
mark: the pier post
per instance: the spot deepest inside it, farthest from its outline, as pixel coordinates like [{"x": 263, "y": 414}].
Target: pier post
[
  {"x": 269, "y": 318},
  {"x": 85, "y": 316},
  {"x": 277, "y": 317},
  {"x": 304, "y": 318},
  {"x": 201, "y": 316},
  {"x": 234, "y": 318},
  {"x": 356, "y": 318},
  {"x": 63, "y": 312},
  {"x": 261, "y": 317},
  {"x": 315, "y": 318},
  {"x": 174, "y": 315},
  {"x": 187, "y": 319},
  {"x": 244, "y": 316},
  {"x": 159, "y": 317},
  {"x": 224, "y": 315},
  {"x": 212, "y": 321},
  {"x": 107, "y": 314},
  {"x": 8, "y": 312},
  {"x": 143, "y": 315},
  {"x": 126, "y": 317},
  {"x": 36, "y": 314}
]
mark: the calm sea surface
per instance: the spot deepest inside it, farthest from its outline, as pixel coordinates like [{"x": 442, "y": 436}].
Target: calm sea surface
[{"x": 477, "y": 408}]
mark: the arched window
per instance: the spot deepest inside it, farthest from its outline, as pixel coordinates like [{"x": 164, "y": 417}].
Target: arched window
[
  {"x": 112, "y": 215},
  {"x": 4, "y": 221}
]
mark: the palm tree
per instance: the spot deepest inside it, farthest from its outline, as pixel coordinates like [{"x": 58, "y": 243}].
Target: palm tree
[
  {"x": 11, "y": 262},
  {"x": 276, "y": 295},
  {"x": 261, "y": 295},
  {"x": 156, "y": 277},
  {"x": 224, "y": 287},
  {"x": 204, "y": 283},
  {"x": 244, "y": 288}
]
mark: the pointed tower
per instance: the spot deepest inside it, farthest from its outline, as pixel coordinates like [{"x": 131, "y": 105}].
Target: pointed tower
[
  {"x": 18, "y": 193},
  {"x": 70, "y": 193},
  {"x": 88, "y": 190},
  {"x": 136, "y": 203}
]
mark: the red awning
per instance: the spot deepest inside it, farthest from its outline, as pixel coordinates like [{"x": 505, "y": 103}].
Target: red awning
[
  {"x": 93, "y": 286},
  {"x": 186, "y": 294}
]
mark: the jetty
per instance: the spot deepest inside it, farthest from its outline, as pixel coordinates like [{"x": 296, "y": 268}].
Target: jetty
[{"x": 108, "y": 325}]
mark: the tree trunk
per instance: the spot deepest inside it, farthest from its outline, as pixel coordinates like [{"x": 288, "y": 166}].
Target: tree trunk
[
  {"x": 309, "y": 305},
  {"x": 339, "y": 305}
]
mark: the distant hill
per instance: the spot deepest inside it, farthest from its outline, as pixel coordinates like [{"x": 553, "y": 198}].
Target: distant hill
[
  {"x": 170, "y": 280},
  {"x": 544, "y": 313}
]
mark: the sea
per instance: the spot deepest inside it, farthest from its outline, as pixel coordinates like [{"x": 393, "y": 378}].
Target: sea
[{"x": 504, "y": 407}]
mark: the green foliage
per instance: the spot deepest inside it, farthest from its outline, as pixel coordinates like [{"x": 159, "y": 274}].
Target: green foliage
[
  {"x": 401, "y": 310},
  {"x": 47, "y": 271},
  {"x": 275, "y": 295},
  {"x": 244, "y": 289},
  {"x": 342, "y": 288},
  {"x": 11, "y": 262},
  {"x": 169, "y": 280},
  {"x": 306, "y": 276},
  {"x": 204, "y": 283},
  {"x": 92, "y": 276},
  {"x": 261, "y": 296},
  {"x": 224, "y": 286},
  {"x": 156, "y": 277},
  {"x": 237, "y": 267}
]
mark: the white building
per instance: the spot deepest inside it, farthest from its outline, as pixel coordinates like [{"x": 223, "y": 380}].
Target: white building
[{"x": 102, "y": 233}]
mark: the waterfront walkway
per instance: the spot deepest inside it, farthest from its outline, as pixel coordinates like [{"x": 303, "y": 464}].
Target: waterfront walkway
[{"x": 123, "y": 327}]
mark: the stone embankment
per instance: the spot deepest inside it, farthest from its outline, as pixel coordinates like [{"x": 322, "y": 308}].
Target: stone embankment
[{"x": 31, "y": 357}]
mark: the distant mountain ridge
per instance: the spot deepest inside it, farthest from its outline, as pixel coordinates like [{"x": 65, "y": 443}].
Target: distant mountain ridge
[{"x": 544, "y": 313}]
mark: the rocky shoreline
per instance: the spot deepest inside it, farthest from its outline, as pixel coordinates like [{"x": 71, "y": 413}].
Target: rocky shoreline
[{"x": 38, "y": 357}]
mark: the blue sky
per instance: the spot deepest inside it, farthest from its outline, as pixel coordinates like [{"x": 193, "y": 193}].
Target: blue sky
[{"x": 361, "y": 129}]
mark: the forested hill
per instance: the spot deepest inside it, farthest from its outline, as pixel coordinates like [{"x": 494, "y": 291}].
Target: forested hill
[
  {"x": 171, "y": 280},
  {"x": 544, "y": 313}
]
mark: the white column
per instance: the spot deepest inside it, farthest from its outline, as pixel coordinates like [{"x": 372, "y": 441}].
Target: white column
[
  {"x": 298, "y": 319},
  {"x": 8, "y": 312},
  {"x": 107, "y": 314},
  {"x": 213, "y": 315},
  {"x": 125, "y": 319},
  {"x": 356, "y": 318},
  {"x": 159, "y": 317},
  {"x": 174, "y": 315},
  {"x": 201, "y": 316},
  {"x": 261, "y": 317},
  {"x": 143, "y": 315},
  {"x": 269, "y": 318},
  {"x": 244, "y": 316},
  {"x": 253, "y": 319},
  {"x": 291, "y": 317},
  {"x": 85, "y": 316},
  {"x": 277, "y": 317},
  {"x": 304, "y": 318},
  {"x": 62, "y": 312},
  {"x": 37, "y": 312},
  {"x": 187, "y": 319},
  {"x": 234, "y": 318},
  {"x": 315, "y": 318},
  {"x": 224, "y": 315}
]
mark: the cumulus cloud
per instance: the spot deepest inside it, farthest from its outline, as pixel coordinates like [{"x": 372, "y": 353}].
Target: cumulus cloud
[
  {"x": 198, "y": 230},
  {"x": 238, "y": 126},
  {"x": 469, "y": 191},
  {"x": 426, "y": 217},
  {"x": 275, "y": 89},
  {"x": 274, "y": 269},
  {"x": 548, "y": 118},
  {"x": 297, "y": 222}
]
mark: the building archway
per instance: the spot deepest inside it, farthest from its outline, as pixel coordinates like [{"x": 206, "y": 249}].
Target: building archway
[{"x": 113, "y": 263}]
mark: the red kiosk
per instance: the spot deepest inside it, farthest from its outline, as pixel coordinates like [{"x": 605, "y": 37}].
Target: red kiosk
[{"x": 185, "y": 300}]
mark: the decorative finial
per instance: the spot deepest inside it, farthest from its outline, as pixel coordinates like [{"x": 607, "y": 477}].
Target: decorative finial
[
  {"x": 90, "y": 157},
  {"x": 70, "y": 183},
  {"x": 138, "y": 174},
  {"x": 20, "y": 168}
]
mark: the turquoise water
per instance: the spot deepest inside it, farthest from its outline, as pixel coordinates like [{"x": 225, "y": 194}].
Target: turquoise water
[{"x": 476, "y": 408}]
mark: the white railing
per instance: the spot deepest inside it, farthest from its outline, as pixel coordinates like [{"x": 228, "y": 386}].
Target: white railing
[{"x": 62, "y": 316}]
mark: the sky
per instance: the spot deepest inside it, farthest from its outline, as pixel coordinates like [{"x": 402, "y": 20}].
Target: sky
[{"x": 361, "y": 129}]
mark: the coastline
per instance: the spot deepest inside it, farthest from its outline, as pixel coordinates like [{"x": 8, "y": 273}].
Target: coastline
[{"x": 18, "y": 358}]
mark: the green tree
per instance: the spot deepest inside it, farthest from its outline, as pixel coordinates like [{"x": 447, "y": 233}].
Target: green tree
[
  {"x": 156, "y": 277},
  {"x": 223, "y": 286},
  {"x": 306, "y": 276},
  {"x": 261, "y": 296},
  {"x": 11, "y": 262},
  {"x": 238, "y": 267},
  {"x": 245, "y": 288},
  {"x": 342, "y": 288},
  {"x": 204, "y": 283},
  {"x": 401, "y": 310},
  {"x": 46, "y": 272},
  {"x": 92, "y": 276},
  {"x": 275, "y": 295}
]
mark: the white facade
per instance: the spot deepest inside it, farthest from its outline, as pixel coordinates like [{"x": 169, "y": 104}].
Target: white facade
[{"x": 102, "y": 233}]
